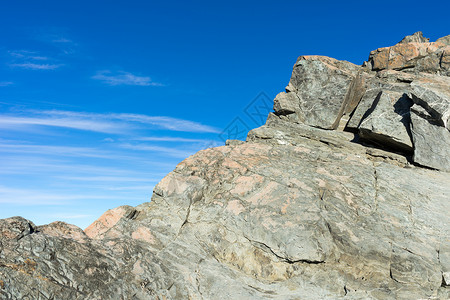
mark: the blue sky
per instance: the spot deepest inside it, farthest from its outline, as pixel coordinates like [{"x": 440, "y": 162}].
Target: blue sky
[{"x": 100, "y": 99}]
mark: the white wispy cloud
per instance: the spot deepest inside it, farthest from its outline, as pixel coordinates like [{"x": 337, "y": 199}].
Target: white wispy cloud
[
  {"x": 32, "y": 60},
  {"x": 60, "y": 151},
  {"x": 59, "y": 37},
  {"x": 34, "y": 66},
  {"x": 165, "y": 150},
  {"x": 124, "y": 78},
  {"x": 62, "y": 40},
  {"x": 169, "y": 139},
  {"x": 72, "y": 167},
  {"x": 39, "y": 58},
  {"x": 65, "y": 170},
  {"x": 111, "y": 179},
  {"x": 36, "y": 197},
  {"x": 26, "y": 54},
  {"x": 132, "y": 188},
  {"x": 15, "y": 123},
  {"x": 106, "y": 123},
  {"x": 70, "y": 216},
  {"x": 168, "y": 123},
  {"x": 6, "y": 83}
]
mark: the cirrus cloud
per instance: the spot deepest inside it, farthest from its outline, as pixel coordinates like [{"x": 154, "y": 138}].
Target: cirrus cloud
[
  {"x": 113, "y": 123},
  {"x": 33, "y": 66},
  {"x": 124, "y": 78}
]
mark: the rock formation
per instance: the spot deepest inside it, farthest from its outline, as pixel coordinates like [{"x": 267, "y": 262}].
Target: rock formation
[{"x": 342, "y": 194}]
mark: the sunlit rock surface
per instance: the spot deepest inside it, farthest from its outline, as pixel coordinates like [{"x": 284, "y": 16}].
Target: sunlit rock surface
[{"x": 298, "y": 211}]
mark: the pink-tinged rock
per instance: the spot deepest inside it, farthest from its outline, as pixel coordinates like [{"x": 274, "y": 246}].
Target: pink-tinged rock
[
  {"x": 246, "y": 184},
  {"x": 379, "y": 58},
  {"x": 412, "y": 53},
  {"x": 15, "y": 228},
  {"x": 235, "y": 207},
  {"x": 143, "y": 234},
  {"x": 63, "y": 230},
  {"x": 107, "y": 221}
]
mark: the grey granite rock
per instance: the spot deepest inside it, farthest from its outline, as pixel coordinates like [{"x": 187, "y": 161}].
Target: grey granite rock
[
  {"x": 433, "y": 94},
  {"x": 414, "y": 38},
  {"x": 387, "y": 121},
  {"x": 233, "y": 142},
  {"x": 286, "y": 103},
  {"x": 431, "y": 143},
  {"x": 317, "y": 91},
  {"x": 445, "y": 40}
]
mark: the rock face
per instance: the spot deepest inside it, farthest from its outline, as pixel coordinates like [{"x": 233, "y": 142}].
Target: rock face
[{"x": 298, "y": 211}]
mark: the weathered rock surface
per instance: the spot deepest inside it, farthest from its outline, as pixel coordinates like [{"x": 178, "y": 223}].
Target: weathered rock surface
[
  {"x": 436, "y": 154},
  {"x": 413, "y": 54},
  {"x": 319, "y": 86},
  {"x": 108, "y": 220},
  {"x": 387, "y": 121},
  {"x": 414, "y": 38},
  {"x": 295, "y": 212},
  {"x": 433, "y": 94}
]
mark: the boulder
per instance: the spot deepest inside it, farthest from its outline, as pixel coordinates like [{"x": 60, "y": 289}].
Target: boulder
[
  {"x": 15, "y": 228},
  {"x": 387, "y": 121},
  {"x": 60, "y": 229},
  {"x": 433, "y": 94},
  {"x": 317, "y": 91},
  {"x": 286, "y": 103},
  {"x": 431, "y": 142}
]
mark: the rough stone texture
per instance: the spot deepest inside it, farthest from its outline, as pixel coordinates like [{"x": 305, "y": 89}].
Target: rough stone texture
[
  {"x": 108, "y": 220},
  {"x": 286, "y": 103},
  {"x": 433, "y": 94},
  {"x": 431, "y": 142},
  {"x": 63, "y": 230},
  {"x": 414, "y": 38},
  {"x": 414, "y": 54},
  {"x": 317, "y": 91},
  {"x": 295, "y": 212},
  {"x": 376, "y": 124},
  {"x": 444, "y": 40},
  {"x": 387, "y": 121},
  {"x": 233, "y": 142}
]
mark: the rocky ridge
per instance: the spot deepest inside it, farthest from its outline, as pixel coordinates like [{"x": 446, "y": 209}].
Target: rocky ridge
[{"x": 342, "y": 194}]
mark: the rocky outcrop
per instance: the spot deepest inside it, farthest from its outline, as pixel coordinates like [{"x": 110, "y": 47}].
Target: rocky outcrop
[
  {"x": 413, "y": 53},
  {"x": 342, "y": 194},
  {"x": 108, "y": 220},
  {"x": 375, "y": 100}
]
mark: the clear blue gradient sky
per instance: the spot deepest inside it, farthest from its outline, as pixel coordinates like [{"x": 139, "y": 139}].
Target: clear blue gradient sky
[{"x": 100, "y": 99}]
